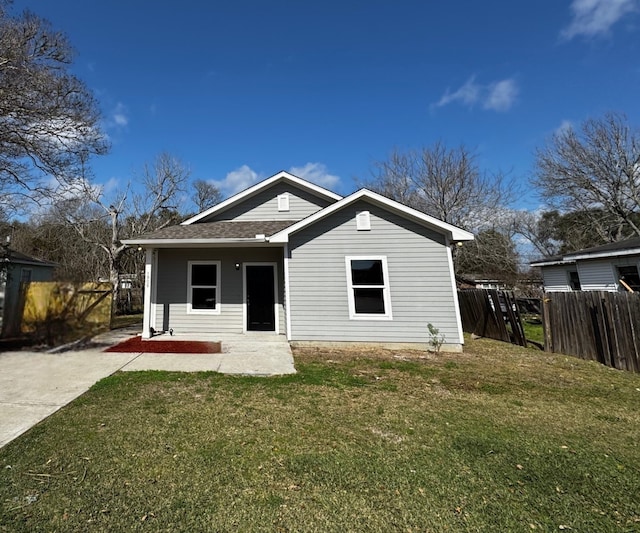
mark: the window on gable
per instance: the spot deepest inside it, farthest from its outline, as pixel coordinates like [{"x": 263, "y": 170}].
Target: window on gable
[
  {"x": 368, "y": 285},
  {"x": 283, "y": 202},
  {"x": 203, "y": 287}
]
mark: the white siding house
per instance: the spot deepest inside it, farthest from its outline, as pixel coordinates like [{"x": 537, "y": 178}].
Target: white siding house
[
  {"x": 292, "y": 258},
  {"x": 610, "y": 267}
]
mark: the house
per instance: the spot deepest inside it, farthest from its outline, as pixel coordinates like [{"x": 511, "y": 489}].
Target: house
[
  {"x": 18, "y": 268},
  {"x": 610, "y": 267},
  {"x": 292, "y": 258}
]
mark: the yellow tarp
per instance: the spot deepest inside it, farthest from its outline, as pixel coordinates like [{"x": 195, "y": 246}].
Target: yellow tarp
[{"x": 65, "y": 310}]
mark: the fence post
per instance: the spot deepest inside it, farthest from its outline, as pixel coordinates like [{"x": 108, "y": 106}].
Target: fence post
[{"x": 546, "y": 324}]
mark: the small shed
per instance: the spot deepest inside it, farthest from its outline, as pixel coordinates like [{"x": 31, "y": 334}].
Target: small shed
[{"x": 18, "y": 268}]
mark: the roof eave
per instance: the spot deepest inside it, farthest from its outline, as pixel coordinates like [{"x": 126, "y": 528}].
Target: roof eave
[
  {"x": 604, "y": 255},
  {"x": 452, "y": 233},
  {"x": 552, "y": 263},
  {"x": 190, "y": 243}
]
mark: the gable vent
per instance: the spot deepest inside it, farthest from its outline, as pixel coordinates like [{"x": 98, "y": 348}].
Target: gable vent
[
  {"x": 283, "y": 202},
  {"x": 363, "y": 221}
]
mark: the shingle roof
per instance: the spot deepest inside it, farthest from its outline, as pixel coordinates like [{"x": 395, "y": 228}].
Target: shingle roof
[
  {"x": 626, "y": 247},
  {"x": 611, "y": 247},
  {"x": 223, "y": 229},
  {"x": 18, "y": 257}
]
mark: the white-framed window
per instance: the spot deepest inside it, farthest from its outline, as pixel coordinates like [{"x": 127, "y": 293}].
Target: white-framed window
[
  {"x": 283, "y": 202},
  {"x": 203, "y": 287},
  {"x": 368, "y": 287}
]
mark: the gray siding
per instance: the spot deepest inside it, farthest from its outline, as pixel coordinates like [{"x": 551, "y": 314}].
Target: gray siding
[
  {"x": 556, "y": 278},
  {"x": 171, "y": 306},
  {"x": 597, "y": 276},
  {"x": 419, "y": 279},
  {"x": 264, "y": 205}
]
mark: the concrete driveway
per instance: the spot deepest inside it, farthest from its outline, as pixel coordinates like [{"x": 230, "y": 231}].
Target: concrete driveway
[{"x": 33, "y": 385}]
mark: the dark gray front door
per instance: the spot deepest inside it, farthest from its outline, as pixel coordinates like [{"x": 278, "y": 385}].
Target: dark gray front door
[{"x": 260, "y": 298}]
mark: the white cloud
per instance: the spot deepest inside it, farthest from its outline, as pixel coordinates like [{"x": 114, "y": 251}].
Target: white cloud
[
  {"x": 596, "y": 17},
  {"x": 468, "y": 94},
  {"x": 316, "y": 173},
  {"x": 501, "y": 95},
  {"x": 244, "y": 177},
  {"x": 564, "y": 127},
  {"x": 237, "y": 180},
  {"x": 496, "y": 96},
  {"x": 119, "y": 115}
]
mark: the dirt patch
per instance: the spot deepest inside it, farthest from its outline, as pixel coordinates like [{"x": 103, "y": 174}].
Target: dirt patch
[{"x": 136, "y": 344}]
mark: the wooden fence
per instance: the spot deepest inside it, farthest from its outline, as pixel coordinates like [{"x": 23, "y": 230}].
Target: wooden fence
[
  {"x": 491, "y": 313},
  {"x": 598, "y": 326}
]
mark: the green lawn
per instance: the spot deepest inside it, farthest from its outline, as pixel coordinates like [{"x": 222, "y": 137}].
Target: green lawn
[{"x": 497, "y": 439}]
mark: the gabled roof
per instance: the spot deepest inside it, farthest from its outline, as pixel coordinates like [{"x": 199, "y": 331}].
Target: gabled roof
[
  {"x": 219, "y": 232},
  {"x": 453, "y": 233},
  {"x": 281, "y": 176},
  {"x": 612, "y": 249},
  {"x": 13, "y": 256}
]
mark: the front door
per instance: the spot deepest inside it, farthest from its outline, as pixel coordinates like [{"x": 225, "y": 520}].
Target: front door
[{"x": 260, "y": 297}]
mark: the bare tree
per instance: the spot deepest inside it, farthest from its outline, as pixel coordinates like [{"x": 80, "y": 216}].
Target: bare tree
[
  {"x": 445, "y": 183},
  {"x": 595, "y": 171},
  {"x": 49, "y": 120},
  {"x": 206, "y": 194},
  {"x": 104, "y": 221}
]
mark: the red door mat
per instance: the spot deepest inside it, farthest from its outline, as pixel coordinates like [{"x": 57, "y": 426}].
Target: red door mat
[{"x": 136, "y": 344}]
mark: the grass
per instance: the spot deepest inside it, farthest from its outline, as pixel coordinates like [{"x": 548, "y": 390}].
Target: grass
[
  {"x": 497, "y": 439},
  {"x": 533, "y": 330},
  {"x": 123, "y": 321}
]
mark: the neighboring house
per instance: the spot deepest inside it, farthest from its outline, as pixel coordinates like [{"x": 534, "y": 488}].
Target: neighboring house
[
  {"x": 18, "y": 268},
  {"x": 610, "y": 267},
  {"x": 293, "y": 258}
]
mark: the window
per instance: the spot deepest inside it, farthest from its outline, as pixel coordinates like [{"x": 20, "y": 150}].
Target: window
[
  {"x": 574, "y": 280},
  {"x": 283, "y": 202},
  {"x": 628, "y": 278},
  {"x": 368, "y": 285},
  {"x": 203, "y": 287}
]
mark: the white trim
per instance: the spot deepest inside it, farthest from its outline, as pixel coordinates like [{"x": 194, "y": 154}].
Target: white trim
[
  {"x": 146, "y": 316},
  {"x": 386, "y": 289},
  {"x": 154, "y": 288},
  {"x": 190, "y": 242},
  {"x": 276, "y": 314},
  {"x": 453, "y": 233},
  {"x": 287, "y": 293},
  {"x": 216, "y": 309},
  {"x": 280, "y": 176},
  {"x": 603, "y": 255},
  {"x": 556, "y": 262},
  {"x": 454, "y": 290}
]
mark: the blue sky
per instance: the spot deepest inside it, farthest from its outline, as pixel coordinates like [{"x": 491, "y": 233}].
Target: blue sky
[{"x": 239, "y": 90}]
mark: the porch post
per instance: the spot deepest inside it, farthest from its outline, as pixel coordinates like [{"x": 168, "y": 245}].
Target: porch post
[
  {"x": 149, "y": 285},
  {"x": 287, "y": 293}
]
